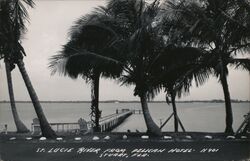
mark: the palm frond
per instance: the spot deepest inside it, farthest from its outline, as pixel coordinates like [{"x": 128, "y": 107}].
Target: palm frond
[
  {"x": 240, "y": 63},
  {"x": 57, "y": 64},
  {"x": 94, "y": 45}
]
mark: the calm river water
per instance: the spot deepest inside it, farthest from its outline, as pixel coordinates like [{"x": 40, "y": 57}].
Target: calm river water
[{"x": 206, "y": 117}]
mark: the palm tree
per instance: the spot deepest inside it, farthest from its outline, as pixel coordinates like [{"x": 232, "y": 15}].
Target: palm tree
[
  {"x": 6, "y": 54},
  {"x": 13, "y": 29},
  {"x": 141, "y": 49},
  {"x": 221, "y": 28},
  {"x": 88, "y": 53}
]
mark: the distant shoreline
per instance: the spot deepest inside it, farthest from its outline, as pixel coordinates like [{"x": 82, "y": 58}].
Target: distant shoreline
[{"x": 133, "y": 101}]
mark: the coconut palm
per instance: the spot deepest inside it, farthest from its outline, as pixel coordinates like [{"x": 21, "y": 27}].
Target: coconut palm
[
  {"x": 12, "y": 31},
  {"x": 5, "y": 50},
  {"x": 141, "y": 49},
  {"x": 222, "y": 28},
  {"x": 88, "y": 53}
]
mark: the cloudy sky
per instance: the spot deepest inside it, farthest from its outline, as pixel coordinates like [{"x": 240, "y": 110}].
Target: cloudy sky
[{"x": 47, "y": 31}]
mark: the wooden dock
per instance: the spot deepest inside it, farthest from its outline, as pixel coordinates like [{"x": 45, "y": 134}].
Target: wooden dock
[{"x": 107, "y": 123}]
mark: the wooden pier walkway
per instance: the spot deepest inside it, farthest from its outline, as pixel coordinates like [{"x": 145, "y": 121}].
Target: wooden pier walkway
[{"x": 107, "y": 123}]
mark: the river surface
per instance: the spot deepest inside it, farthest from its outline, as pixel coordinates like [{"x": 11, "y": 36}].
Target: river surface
[{"x": 205, "y": 117}]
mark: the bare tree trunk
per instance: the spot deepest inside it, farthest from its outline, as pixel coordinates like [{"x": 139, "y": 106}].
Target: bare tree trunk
[
  {"x": 228, "y": 106},
  {"x": 45, "y": 127},
  {"x": 152, "y": 128},
  {"x": 96, "y": 113},
  {"x": 172, "y": 93},
  {"x": 21, "y": 128}
]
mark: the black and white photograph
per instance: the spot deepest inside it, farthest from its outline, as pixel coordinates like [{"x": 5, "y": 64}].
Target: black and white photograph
[{"x": 124, "y": 80}]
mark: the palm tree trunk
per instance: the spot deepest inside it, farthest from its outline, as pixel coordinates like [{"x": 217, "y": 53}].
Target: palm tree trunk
[
  {"x": 21, "y": 128},
  {"x": 95, "y": 101},
  {"x": 228, "y": 106},
  {"x": 172, "y": 93},
  {"x": 45, "y": 127},
  {"x": 152, "y": 128}
]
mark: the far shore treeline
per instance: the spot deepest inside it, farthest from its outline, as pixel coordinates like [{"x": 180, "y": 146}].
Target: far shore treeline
[{"x": 134, "y": 101}]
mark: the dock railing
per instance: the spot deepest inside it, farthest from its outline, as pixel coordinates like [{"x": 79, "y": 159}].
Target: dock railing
[{"x": 63, "y": 127}]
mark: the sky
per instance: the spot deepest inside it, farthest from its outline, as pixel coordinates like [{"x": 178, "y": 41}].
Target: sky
[{"x": 48, "y": 29}]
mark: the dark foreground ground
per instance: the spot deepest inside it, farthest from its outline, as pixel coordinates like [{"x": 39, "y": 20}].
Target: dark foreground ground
[{"x": 190, "y": 146}]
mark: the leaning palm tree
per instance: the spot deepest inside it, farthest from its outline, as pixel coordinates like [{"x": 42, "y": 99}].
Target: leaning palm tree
[
  {"x": 88, "y": 53},
  {"x": 6, "y": 52},
  {"x": 16, "y": 28},
  {"x": 140, "y": 50},
  {"x": 222, "y": 28}
]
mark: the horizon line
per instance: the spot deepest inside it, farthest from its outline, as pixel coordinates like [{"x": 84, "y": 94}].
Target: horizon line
[{"x": 205, "y": 100}]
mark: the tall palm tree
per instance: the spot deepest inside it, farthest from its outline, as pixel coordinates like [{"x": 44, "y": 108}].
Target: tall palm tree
[
  {"x": 5, "y": 50},
  {"x": 140, "y": 50},
  {"x": 92, "y": 39},
  {"x": 14, "y": 30},
  {"x": 220, "y": 27}
]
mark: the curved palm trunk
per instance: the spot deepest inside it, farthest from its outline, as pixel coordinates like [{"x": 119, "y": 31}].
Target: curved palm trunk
[
  {"x": 228, "y": 106},
  {"x": 21, "y": 128},
  {"x": 96, "y": 113},
  {"x": 152, "y": 128},
  {"x": 45, "y": 127},
  {"x": 172, "y": 93}
]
